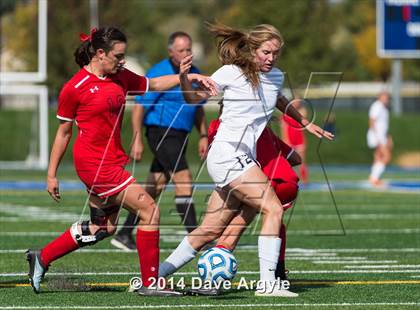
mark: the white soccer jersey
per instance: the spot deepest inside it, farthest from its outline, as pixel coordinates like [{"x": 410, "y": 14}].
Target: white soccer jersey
[
  {"x": 246, "y": 111},
  {"x": 380, "y": 114}
]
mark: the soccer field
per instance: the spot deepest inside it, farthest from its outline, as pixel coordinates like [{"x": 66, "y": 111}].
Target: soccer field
[{"x": 362, "y": 254}]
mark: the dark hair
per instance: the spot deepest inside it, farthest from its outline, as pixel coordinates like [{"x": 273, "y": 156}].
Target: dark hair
[
  {"x": 103, "y": 38},
  {"x": 177, "y": 34}
]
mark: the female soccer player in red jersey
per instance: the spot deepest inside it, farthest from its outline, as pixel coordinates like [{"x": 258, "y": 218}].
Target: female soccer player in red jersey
[{"x": 94, "y": 99}]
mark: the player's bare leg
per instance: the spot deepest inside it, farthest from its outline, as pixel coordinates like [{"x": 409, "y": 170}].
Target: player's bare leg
[
  {"x": 221, "y": 209},
  {"x": 136, "y": 200},
  {"x": 124, "y": 238},
  {"x": 254, "y": 189}
]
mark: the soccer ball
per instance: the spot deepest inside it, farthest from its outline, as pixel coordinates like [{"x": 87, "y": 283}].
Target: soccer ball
[{"x": 217, "y": 265}]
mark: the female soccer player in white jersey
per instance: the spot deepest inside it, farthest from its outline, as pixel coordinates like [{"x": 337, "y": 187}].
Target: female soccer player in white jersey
[
  {"x": 94, "y": 100},
  {"x": 252, "y": 89},
  {"x": 378, "y": 138}
]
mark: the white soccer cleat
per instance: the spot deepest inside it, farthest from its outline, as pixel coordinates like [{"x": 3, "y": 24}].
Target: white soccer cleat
[
  {"x": 36, "y": 270},
  {"x": 276, "y": 293}
]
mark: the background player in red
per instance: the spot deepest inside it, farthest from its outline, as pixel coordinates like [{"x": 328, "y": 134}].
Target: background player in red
[
  {"x": 94, "y": 99},
  {"x": 293, "y": 134}
]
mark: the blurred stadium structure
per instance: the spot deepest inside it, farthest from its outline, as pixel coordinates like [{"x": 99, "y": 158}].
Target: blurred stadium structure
[
  {"x": 26, "y": 91},
  {"x": 18, "y": 90}
]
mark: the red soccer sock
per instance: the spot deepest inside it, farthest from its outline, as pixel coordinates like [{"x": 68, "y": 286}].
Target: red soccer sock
[
  {"x": 304, "y": 174},
  {"x": 221, "y": 246},
  {"x": 282, "y": 236},
  {"x": 148, "y": 249},
  {"x": 59, "y": 247}
]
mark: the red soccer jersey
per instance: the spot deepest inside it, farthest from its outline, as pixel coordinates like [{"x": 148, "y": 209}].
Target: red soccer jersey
[
  {"x": 272, "y": 154},
  {"x": 97, "y": 107},
  {"x": 293, "y": 130}
]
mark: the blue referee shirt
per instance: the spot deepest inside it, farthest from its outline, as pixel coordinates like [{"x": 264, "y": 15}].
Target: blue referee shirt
[{"x": 167, "y": 109}]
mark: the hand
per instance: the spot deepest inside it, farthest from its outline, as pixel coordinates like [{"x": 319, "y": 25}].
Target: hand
[
  {"x": 319, "y": 132},
  {"x": 185, "y": 65},
  {"x": 137, "y": 150},
  {"x": 203, "y": 144},
  {"x": 53, "y": 188},
  {"x": 205, "y": 83}
]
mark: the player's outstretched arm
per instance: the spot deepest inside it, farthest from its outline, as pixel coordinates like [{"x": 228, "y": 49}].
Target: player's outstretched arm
[
  {"x": 167, "y": 82},
  {"x": 62, "y": 139},
  {"x": 284, "y": 105}
]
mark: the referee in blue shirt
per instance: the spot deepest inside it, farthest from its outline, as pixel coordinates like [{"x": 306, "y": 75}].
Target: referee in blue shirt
[{"x": 168, "y": 120}]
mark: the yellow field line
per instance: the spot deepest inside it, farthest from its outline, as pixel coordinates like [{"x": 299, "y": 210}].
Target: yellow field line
[{"x": 381, "y": 282}]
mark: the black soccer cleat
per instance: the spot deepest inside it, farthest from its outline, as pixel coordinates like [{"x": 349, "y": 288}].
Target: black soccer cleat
[
  {"x": 145, "y": 291},
  {"x": 203, "y": 292},
  {"x": 36, "y": 269}
]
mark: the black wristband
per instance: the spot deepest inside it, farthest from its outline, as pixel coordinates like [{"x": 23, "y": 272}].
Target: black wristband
[{"x": 203, "y": 136}]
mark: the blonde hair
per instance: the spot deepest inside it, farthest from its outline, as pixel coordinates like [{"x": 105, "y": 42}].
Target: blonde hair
[{"x": 237, "y": 47}]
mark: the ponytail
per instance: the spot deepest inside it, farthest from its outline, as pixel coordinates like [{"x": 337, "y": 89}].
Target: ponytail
[
  {"x": 84, "y": 54},
  {"x": 233, "y": 49}
]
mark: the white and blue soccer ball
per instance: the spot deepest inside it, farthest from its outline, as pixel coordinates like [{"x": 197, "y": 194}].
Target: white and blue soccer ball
[{"x": 217, "y": 265}]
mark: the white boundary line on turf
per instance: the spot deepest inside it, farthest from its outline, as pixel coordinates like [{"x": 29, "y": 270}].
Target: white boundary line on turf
[
  {"x": 382, "y": 266},
  {"x": 366, "y": 261},
  {"x": 18, "y": 274},
  {"x": 292, "y": 232},
  {"x": 217, "y": 305},
  {"x": 298, "y": 252}
]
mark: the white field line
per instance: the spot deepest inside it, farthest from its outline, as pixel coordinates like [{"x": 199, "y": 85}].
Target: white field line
[
  {"x": 217, "y": 305},
  {"x": 71, "y": 217},
  {"x": 382, "y": 266},
  {"x": 39, "y": 213},
  {"x": 291, "y": 232},
  {"x": 316, "y": 257},
  {"x": 348, "y": 250},
  {"x": 355, "y": 262},
  {"x": 355, "y": 231},
  {"x": 359, "y": 216},
  {"x": 58, "y": 274},
  {"x": 246, "y": 248}
]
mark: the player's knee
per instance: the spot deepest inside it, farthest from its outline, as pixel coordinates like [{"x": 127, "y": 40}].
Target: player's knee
[
  {"x": 208, "y": 233},
  {"x": 86, "y": 234},
  {"x": 149, "y": 213},
  {"x": 273, "y": 210},
  {"x": 111, "y": 229}
]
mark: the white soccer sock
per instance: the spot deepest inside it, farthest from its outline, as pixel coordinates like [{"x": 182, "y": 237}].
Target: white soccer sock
[
  {"x": 268, "y": 253},
  {"x": 377, "y": 169},
  {"x": 183, "y": 254}
]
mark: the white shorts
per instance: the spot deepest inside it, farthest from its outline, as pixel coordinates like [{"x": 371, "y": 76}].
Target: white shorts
[
  {"x": 374, "y": 139},
  {"x": 226, "y": 162}
]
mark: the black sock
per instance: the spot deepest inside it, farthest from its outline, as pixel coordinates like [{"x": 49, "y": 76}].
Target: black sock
[
  {"x": 130, "y": 223},
  {"x": 281, "y": 270},
  {"x": 186, "y": 210}
]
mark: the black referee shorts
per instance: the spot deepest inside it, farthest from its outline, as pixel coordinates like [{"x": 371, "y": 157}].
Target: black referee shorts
[{"x": 169, "y": 147}]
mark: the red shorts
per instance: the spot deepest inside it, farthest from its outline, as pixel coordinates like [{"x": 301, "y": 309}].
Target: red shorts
[
  {"x": 106, "y": 181},
  {"x": 286, "y": 192}
]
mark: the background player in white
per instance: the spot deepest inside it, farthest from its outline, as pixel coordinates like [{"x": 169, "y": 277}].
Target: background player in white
[
  {"x": 252, "y": 89},
  {"x": 378, "y": 137}
]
